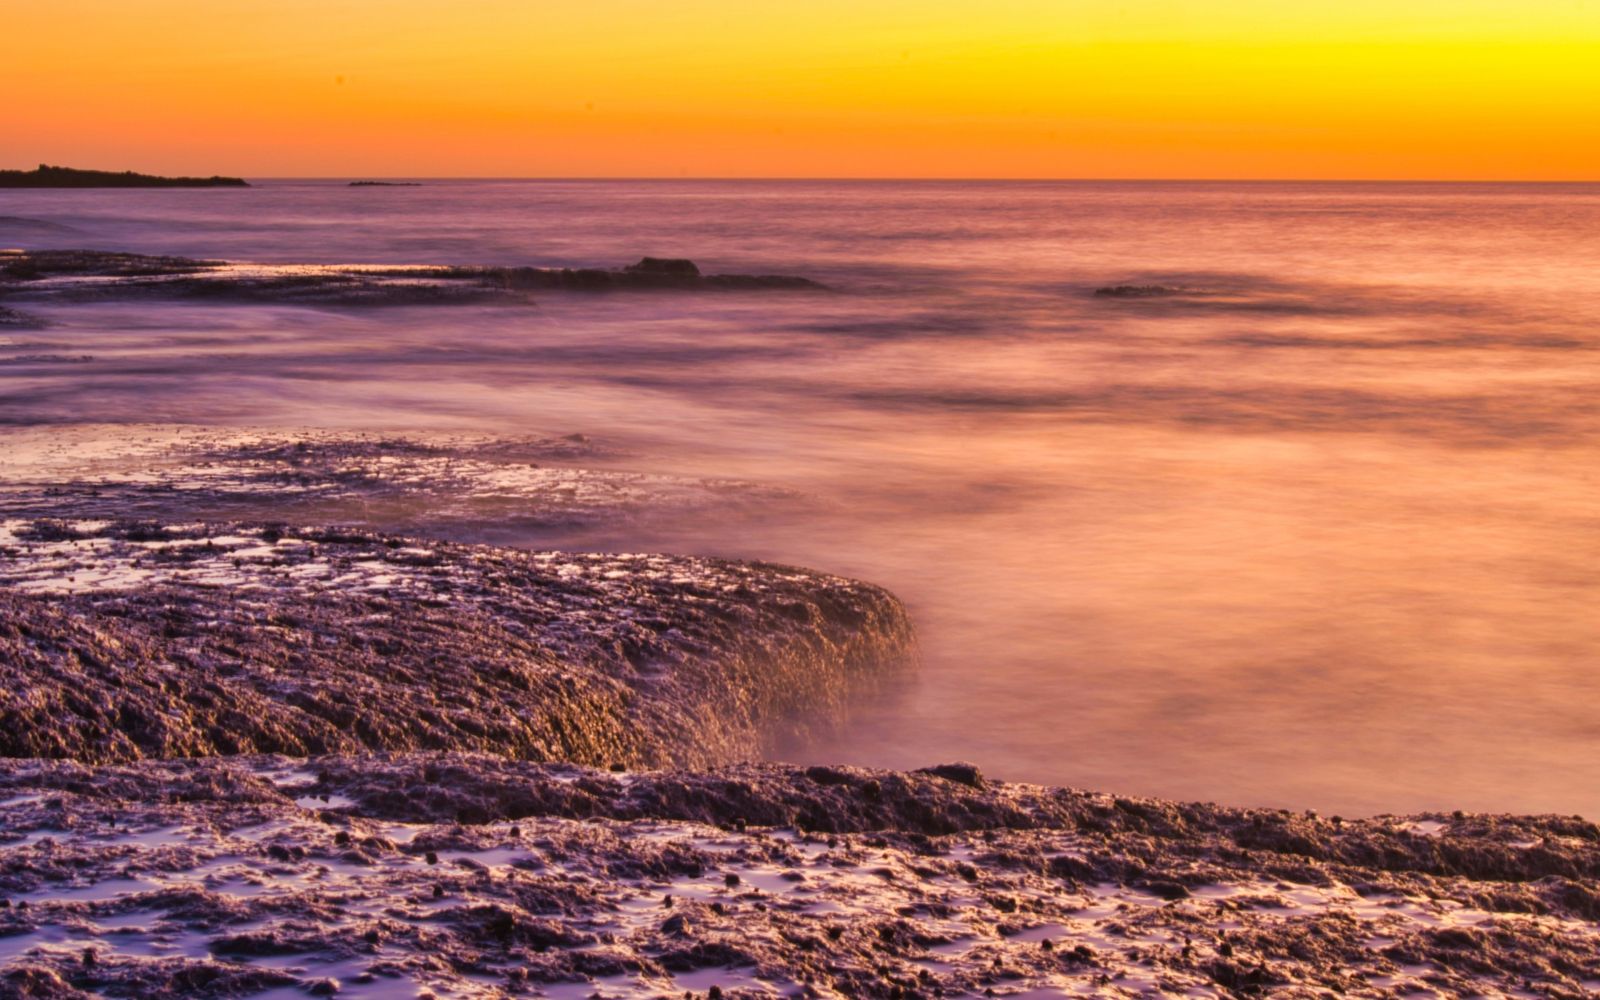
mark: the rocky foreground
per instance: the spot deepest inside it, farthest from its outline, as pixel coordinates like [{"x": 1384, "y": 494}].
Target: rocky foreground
[
  {"x": 440, "y": 874},
  {"x": 266, "y": 732},
  {"x": 252, "y": 760},
  {"x": 129, "y": 640}
]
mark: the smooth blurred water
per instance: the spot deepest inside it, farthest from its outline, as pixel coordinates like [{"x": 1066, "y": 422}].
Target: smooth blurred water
[{"x": 1326, "y": 536}]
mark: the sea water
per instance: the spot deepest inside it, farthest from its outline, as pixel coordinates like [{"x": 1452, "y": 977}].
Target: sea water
[{"x": 1318, "y": 528}]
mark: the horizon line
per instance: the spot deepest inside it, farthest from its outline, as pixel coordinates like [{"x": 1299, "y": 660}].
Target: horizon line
[
  {"x": 924, "y": 179},
  {"x": 847, "y": 178}
]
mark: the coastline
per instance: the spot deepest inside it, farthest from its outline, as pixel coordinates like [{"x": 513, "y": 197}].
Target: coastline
[
  {"x": 46, "y": 176},
  {"x": 98, "y": 275},
  {"x": 275, "y": 733},
  {"x": 447, "y": 874},
  {"x": 320, "y": 759},
  {"x": 137, "y": 640}
]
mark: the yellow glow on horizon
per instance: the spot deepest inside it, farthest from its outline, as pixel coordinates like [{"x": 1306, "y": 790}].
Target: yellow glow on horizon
[{"x": 1007, "y": 88}]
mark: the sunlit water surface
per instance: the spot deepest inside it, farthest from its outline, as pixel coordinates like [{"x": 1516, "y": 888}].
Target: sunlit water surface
[{"x": 1326, "y": 536}]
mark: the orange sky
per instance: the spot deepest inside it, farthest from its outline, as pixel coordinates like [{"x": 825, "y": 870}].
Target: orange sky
[{"x": 1469, "y": 89}]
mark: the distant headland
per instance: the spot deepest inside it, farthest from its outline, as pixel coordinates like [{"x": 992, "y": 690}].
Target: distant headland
[{"x": 67, "y": 177}]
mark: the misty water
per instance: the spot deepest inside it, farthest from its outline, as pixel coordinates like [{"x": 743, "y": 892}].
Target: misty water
[{"x": 1322, "y": 531}]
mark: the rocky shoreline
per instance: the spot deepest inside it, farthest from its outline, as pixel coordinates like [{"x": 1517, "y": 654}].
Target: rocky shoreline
[
  {"x": 96, "y": 275},
  {"x": 446, "y": 874},
  {"x": 246, "y": 758},
  {"x": 137, "y": 640},
  {"x": 275, "y": 721}
]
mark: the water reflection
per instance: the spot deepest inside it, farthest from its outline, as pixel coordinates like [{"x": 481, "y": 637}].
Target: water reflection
[{"x": 1319, "y": 531}]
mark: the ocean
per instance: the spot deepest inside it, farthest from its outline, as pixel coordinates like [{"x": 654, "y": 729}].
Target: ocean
[{"x": 1305, "y": 516}]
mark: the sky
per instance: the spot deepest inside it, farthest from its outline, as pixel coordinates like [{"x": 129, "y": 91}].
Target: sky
[{"x": 1381, "y": 89}]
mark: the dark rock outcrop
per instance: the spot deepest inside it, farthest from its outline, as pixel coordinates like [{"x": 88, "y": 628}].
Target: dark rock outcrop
[
  {"x": 12, "y": 319},
  {"x": 664, "y": 265},
  {"x": 46, "y": 176},
  {"x": 1140, "y": 291},
  {"x": 648, "y": 273},
  {"x": 76, "y": 275},
  {"x": 20, "y": 267}
]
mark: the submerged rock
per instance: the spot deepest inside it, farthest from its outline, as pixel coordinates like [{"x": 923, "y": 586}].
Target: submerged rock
[
  {"x": 138, "y": 639},
  {"x": 12, "y": 319},
  {"x": 659, "y": 265},
  {"x": 21, "y": 266},
  {"x": 479, "y": 489},
  {"x": 648, "y": 273},
  {"x": 75, "y": 275}
]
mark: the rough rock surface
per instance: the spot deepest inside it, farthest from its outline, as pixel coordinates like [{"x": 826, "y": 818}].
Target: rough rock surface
[
  {"x": 136, "y": 639},
  {"x": 473, "y": 876},
  {"x": 426, "y": 833},
  {"x": 93, "y": 275}
]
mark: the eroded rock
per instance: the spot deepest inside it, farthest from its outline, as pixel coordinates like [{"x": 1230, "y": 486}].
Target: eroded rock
[
  {"x": 141, "y": 639},
  {"x": 94, "y": 275},
  {"x": 348, "y": 874}
]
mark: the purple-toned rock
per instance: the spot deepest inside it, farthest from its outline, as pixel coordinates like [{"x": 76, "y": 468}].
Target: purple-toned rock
[{"x": 134, "y": 640}]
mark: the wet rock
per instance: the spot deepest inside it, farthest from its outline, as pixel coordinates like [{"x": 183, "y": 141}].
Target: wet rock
[
  {"x": 668, "y": 266},
  {"x": 11, "y": 319},
  {"x": 648, "y": 273},
  {"x": 32, "y": 983},
  {"x": 448, "y": 845},
  {"x": 93, "y": 275},
  {"x": 966, "y": 774},
  {"x": 830, "y": 775},
  {"x": 1140, "y": 291},
  {"x": 21, "y": 360},
  {"x": 1164, "y": 889},
  {"x": 20, "y": 267},
  {"x": 224, "y": 639},
  {"x": 453, "y": 487}
]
